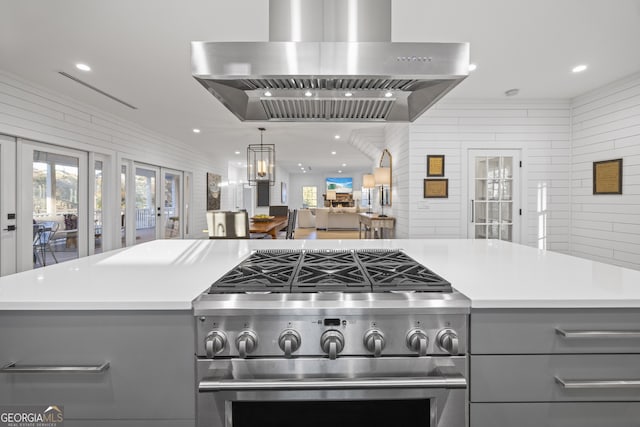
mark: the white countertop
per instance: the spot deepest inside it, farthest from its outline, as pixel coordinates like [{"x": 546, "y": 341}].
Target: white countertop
[{"x": 168, "y": 275}]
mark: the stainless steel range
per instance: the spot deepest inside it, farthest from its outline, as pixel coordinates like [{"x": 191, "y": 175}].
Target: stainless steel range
[{"x": 339, "y": 337}]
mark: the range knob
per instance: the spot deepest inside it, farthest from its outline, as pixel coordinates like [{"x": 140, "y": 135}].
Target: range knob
[
  {"x": 332, "y": 343},
  {"x": 289, "y": 341},
  {"x": 214, "y": 343},
  {"x": 417, "y": 341},
  {"x": 374, "y": 341},
  {"x": 447, "y": 340},
  {"x": 246, "y": 342}
]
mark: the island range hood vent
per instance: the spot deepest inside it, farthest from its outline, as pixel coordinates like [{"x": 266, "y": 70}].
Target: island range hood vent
[{"x": 329, "y": 60}]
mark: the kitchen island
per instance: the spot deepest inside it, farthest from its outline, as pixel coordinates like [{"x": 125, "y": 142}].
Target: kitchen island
[{"x": 132, "y": 308}]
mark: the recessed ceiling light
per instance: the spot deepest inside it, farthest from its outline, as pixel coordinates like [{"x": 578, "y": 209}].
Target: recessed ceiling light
[
  {"x": 267, "y": 93},
  {"x": 512, "y": 92},
  {"x": 304, "y": 171},
  {"x": 333, "y": 152},
  {"x": 472, "y": 67},
  {"x": 339, "y": 171},
  {"x": 388, "y": 95},
  {"x": 579, "y": 68},
  {"x": 344, "y": 164},
  {"x": 337, "y": 137},
  {"x": 237, "y": 152},
  {"x": 196, "y": 130},
  {"x": 301, "y": 169},
  {"x": 239, "y": 163},
  {"x": 299, "y": 164},
  {"x": 83, "y": 67},
  {"x": 348, "y": 94},
  {"x": 308, "y": 93}
]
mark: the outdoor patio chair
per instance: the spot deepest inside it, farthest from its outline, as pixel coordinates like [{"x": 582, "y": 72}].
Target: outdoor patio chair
[{"x": 43, "y": 236}]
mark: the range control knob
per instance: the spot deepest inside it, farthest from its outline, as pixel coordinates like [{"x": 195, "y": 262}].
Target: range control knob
[
  {"x": 447, "y": 340},
  {"x": 214, "y": 343},
  {"x": 332, "y": 343},
  {"x": 246, "y": 342},
  {"x": 417, "y": 341},
  {"x": 374, "y": 341},
  {"x": 289, "y": 341}
]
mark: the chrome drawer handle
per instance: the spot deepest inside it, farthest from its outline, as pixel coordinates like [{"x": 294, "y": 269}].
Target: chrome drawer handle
[
  {"x": 12, "y": 368},
  {"x": 597, "y": 334},
  {"x": 448, "y": 382},
  {"x": 585, "y": 384}
]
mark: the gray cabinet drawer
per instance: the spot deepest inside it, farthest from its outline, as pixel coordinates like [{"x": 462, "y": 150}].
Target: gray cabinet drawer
[
  {"x": 532, "y": 378},
  {"x": 575, "y": 414},
  {"x": 151, "y": 372},
  {"x": 537, "y": 331}
]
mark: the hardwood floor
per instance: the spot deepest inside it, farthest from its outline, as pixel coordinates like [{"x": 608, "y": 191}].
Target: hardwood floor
[{"x": 313, "y": 234}]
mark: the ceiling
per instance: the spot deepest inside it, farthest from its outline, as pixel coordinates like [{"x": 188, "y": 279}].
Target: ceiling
[{"x": 139, "y": 52}]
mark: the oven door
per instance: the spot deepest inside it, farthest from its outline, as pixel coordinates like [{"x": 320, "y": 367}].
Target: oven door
[{"x": 349, "y": 391}]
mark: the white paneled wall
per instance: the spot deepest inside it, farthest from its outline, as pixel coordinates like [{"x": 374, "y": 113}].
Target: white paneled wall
[
  {"x": 539, "y": 130},
  {"x": 31, "y": 112},
  {"x": 605, "y": 126}
]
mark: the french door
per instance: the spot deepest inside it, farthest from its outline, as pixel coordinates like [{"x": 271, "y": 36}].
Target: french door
[
  {"x": 53, "y": 204},
  {"x": 8, "y": 220},
  {"x": 494, "y": 189},
  {"x": 156, "y": 208}
]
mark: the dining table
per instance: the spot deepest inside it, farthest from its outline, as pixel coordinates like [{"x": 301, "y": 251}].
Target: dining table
[{"x": 270, "y": 227}]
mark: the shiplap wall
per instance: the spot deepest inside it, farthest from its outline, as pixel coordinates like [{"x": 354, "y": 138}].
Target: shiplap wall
[
  {"x": 34, "y": 113},
  {"x": 605, "y": 126},
  {"x": 540, "y": 130}
]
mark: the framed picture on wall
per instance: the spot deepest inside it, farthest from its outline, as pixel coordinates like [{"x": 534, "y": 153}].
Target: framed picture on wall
[
  {"x": 436, "y": 188},
  {"x": 435, "y": 165},
  {"x": 213, "y": 191},
  {"x": 607, "y": 177},
  {"x": 283, "y": 192}
]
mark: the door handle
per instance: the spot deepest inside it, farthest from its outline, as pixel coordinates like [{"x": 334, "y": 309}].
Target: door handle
[
  {"x": 472, "y": 211},
  {"x": 457, "y": 381},
  {"x": 10, "y": 228},
  {"x": 11, "y": 367}
]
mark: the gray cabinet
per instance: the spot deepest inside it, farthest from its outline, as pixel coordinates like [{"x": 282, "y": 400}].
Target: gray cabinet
[
  {"x": 556, "y": 368},
  {"x": 150, "y": 376}
]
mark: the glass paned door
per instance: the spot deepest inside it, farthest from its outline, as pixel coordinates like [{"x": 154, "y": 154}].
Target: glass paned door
[
  {"x": 54, "y": 202},
  {"x": 172, "y": 215},
  {"x": 98, "y": 222},
  {"x": 147, "y": 210},
  {"x": 494, "y": 180}
]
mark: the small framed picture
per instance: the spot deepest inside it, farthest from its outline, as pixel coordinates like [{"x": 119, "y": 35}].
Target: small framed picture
[
  {"x": 607, "y": 177},
  {"x": 435, "y": 165},
  {"x": 436, "y": 188}
]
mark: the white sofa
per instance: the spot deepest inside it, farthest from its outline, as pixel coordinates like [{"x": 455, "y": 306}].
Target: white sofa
[
  {"x": 337, "y": 218},
  {"x": 306, "y": 219}
]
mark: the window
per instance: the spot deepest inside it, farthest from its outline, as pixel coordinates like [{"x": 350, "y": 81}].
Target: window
[{"x": 310, "y": 197}]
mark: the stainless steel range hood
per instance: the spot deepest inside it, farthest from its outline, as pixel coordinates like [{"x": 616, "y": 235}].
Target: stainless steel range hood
[{"x": 329, "y": 60}]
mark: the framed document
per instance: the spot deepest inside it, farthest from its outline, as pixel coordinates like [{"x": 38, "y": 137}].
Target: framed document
[
  {"x": 435, "y": 165},
  {"x": 607, "y": 177},
  {"x": 436, "y": 188}
]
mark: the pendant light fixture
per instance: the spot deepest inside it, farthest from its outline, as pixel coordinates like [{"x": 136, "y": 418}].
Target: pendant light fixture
[{"x": 261, "y": 162}]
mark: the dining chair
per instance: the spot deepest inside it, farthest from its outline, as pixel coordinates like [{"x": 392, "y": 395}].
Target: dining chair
[
  {"x": 291, "y": 225},
  {"x": 43, "y": 236},
  {"x": 278, "y": 210},
  {"x": 228, "y": 225}
]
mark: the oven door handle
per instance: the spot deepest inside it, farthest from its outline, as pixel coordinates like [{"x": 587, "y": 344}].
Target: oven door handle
[{"x": 455, "y": 381}]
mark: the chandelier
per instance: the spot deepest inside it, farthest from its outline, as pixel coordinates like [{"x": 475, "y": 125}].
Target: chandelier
[{"x": 261, "y": 162}]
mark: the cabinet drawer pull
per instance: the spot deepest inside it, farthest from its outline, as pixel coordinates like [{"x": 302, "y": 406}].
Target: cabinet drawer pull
[
  {"x": 11, "y": 368},
  {"x": 585, "y": 384},
  {"x": 597, "y": 334}
]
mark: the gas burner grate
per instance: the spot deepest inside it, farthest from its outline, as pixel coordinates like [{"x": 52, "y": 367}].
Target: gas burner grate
[
  {"x": 328, "y": 257},
  {"x": 275, "y": 256},
  {"x": 246, "y": 277},
  {"x": 330, "y": 278},
  {"x": 405, "y": 277},
  {"x": 369, "y": 256}
]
